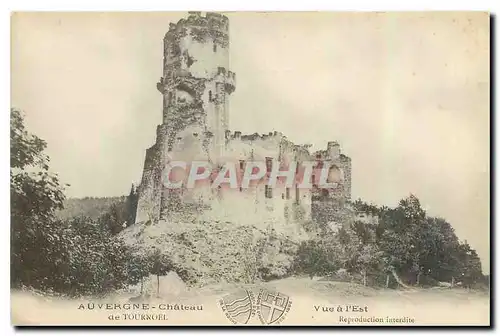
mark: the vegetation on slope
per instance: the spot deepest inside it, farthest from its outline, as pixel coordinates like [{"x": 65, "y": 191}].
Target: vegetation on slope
[
  {"x": 91, "y": 207},
  {"x": 407, "y": 245},
  {"x": 84, "y": 251}
]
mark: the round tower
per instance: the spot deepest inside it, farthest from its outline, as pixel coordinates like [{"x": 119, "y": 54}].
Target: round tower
[{"x": 196, "y": 81}]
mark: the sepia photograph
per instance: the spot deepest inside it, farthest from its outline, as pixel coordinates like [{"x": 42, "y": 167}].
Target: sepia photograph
[{"x": 250, "y": 168}]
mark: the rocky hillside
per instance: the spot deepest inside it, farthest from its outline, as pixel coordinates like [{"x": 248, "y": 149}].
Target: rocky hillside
[{"x": 216, "y": 252}]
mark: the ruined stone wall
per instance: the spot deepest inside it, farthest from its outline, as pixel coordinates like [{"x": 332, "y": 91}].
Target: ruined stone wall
[
  {"x": 367, "y": 218},
  {"x": 151, "y": 187},
  {"x": 345, "y": 162},
  {"x": 196, "y": 83},
  {"x": 327, "y": 204},
  {"x": 256, "y": 206},
  {"x": 145, "y": 202},
  {"x": 281, "y": 206}
]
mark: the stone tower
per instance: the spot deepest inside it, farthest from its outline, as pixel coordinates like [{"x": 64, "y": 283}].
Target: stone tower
[
  {"x": 195, "y": 85},
  {"x": 196, "y": 81},
  {"x": 326, "y": 203}
]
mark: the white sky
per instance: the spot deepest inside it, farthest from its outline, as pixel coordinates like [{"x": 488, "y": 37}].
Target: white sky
[{"x": 406, "y": 95}]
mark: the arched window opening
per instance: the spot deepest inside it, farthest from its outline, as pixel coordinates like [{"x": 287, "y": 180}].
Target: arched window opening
[{"x": 334, "y": 175}]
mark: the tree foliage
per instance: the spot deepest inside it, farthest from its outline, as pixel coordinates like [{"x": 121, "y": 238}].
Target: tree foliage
[
  {"x": 420, "y": 248},
  {"x": 78, "y": 256},
  {"x": 82, "y": 255},
  {"x": 35, "y": 194}
]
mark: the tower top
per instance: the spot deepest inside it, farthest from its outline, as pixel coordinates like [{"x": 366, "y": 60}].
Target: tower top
[{"x": 208, "y": 21}]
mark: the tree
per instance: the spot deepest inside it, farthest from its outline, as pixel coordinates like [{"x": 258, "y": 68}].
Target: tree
[
  {"x": 160, "y": 265},
  {"x": 470, "y": 271},
  {"x": 132, "y": 200},
  {"x": 313, "y": 259},
  {"x": 139, "y": 267},
  {"x": 36, "y": 239},
  {"x": 417, "y": 245},
  {"x": 403, "y": 238},
  {"x": 369, "y": 259},
  {"x": 78, "y": 256},
  {"x": 99, "y": 262},
  {"x": 365, "y": 255}
]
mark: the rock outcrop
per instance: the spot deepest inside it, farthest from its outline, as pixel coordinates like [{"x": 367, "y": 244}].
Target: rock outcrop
[{"x": 216, "y": 252}]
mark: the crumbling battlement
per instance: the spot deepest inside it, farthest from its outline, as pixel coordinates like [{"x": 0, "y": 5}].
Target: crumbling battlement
[
  {"x": 332, "y": 151},
  {"x": 210, "y": 20},
  {"x": 274, "y": 141},
  {"x": 226, "y": 77},
  {"x": 202, "y": 28},
  {"x": 254, "y": 136}
]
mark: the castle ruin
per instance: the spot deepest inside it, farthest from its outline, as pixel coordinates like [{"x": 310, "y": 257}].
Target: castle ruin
[{"x": 196, "y": 87}]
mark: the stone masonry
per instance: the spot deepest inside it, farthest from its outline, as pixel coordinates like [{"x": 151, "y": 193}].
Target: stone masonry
[{"x": 196, "y": 86}]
